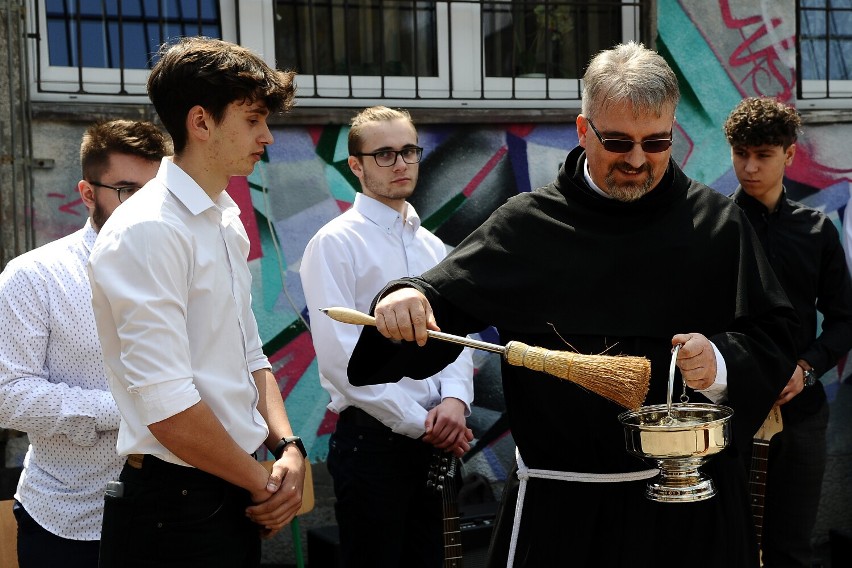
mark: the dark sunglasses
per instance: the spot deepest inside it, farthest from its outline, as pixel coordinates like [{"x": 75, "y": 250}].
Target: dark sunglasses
[{"x": 622, "y": 146}]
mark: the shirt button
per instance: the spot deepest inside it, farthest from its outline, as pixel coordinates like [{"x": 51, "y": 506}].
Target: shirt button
[{"x": 184, "y": 492}]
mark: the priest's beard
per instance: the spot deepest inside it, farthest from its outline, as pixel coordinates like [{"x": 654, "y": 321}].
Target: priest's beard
[{"x": 628, "y": 192}]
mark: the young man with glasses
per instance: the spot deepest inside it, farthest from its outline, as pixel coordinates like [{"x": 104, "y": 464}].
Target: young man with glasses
[
  {"x": 805, "y": 251},
  {"x": 380, "y": 451},
  {"x": 622, "y": 254},
  {"x": 52, "y": 380}
]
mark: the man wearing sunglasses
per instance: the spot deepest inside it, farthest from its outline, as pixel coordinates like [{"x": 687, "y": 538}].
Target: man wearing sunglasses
[
  {"x": 52, "y": 380},
  {"x": 380, "y": 452},
  {"x": 622, "y": 255}
]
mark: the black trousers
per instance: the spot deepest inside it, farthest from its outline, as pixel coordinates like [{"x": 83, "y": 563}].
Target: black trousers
[
  {"x": 174, "y": 516},
  {"x": 795, "y": 469},
  {"x": 387, "y": 515},
  {"x": 40, "y": 548}
]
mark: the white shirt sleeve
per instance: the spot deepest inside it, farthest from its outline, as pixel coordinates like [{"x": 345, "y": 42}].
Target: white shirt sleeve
[
  {"x": 718, "y": 391},
  {"x": 328, "y": 280},
  {"x": 149, "y": 314},
  {"x": 31, "y": 400}
]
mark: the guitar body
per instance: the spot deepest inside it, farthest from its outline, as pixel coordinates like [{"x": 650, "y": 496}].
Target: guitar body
[
  {"x": 757, "y": 476},
  {"x": 442, "y": 479}
]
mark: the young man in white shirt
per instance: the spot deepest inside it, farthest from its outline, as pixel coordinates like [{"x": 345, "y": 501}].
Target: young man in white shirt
[
  {"x": 172, "y": 299},
  {"x": 380, "y": 452},
  {"x": 52, "y": 382}
]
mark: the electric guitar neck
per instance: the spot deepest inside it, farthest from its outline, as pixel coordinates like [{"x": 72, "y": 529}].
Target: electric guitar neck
[
  {"x": 442, "y": 479},
  {"x": 757, "y": 477}
]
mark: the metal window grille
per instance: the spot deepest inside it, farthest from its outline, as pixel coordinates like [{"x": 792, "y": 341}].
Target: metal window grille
[
  {"x": 391, "y": 49},
  {"x": 123, "y": 35},
  {"x": 824, "y": 49},
  {"x": 505, "y": 50}
]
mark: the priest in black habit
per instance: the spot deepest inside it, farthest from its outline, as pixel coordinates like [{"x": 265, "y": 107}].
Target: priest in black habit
[{"x": 621, "y": 254}]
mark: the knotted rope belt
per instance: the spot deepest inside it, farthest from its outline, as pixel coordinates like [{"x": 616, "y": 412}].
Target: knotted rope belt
[{"x": 525, "y": 473}]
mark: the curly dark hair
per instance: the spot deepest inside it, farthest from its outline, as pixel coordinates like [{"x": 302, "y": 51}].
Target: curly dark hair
[
  {"x": 213, "y": 73},
  {"x": 760, "y": 121}
]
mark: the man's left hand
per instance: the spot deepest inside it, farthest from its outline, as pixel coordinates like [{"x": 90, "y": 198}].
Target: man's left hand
[
  {"x": 794, "y": 386},
  {"x": 696, "y": 360}
]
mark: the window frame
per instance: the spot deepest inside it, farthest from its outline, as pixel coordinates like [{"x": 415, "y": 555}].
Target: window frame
[
  {"x": 818, "y": 94},
  {"x": 460, "y": 83},
  {"x": 56, "y": 83}
]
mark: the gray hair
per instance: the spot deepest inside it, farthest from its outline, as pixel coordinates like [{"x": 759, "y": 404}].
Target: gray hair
[{"x": 629, "y": 73}]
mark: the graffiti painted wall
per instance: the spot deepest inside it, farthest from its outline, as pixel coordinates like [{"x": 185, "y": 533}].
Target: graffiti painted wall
[{"x": 305, "y": 182}]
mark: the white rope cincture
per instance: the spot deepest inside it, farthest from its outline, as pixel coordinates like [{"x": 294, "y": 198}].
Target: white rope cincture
[{"x": 524, "y": 474}]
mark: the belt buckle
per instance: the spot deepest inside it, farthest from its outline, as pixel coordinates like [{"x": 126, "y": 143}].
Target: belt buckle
[{"x": 135, "y": 460}]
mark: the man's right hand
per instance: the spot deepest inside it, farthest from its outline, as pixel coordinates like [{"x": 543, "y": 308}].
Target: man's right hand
[{"x": 405, "y": 314}]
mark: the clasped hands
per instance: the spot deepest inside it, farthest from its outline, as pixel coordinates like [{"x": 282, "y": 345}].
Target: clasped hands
[{"x": 277, "y": 504}]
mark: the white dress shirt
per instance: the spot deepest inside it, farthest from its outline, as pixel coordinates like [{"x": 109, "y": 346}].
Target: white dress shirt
[
  {"x": 53, "y": 387},
  {"x": 346, "y": 264},
  {"x": 171, "y": 291}
]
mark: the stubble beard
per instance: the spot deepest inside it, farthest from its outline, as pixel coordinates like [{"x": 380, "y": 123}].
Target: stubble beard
[
  {"x": 385, "y": 190},
  {"x": 99, "y": 216},
  {"x": 628, "y": 192}
]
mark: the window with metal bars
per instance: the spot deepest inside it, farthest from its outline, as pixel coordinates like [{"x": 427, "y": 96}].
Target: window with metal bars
[
  {"x": 824, "y": 49},
  {"x": 472, "y": 50},
  {"x": 96, "y": 48},
  {"x": 476, "y": 53}
]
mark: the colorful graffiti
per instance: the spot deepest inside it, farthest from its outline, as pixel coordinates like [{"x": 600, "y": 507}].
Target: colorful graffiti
[
  {"x": 725, "y": 51},
  {"x": 305, "y": 182}
]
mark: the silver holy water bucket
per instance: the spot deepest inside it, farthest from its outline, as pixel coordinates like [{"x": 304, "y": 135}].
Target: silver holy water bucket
[{"x": 679, "y": 438}]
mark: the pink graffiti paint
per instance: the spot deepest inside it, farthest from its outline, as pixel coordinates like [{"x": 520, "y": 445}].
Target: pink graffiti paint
[{"x": 765, "y": 62}]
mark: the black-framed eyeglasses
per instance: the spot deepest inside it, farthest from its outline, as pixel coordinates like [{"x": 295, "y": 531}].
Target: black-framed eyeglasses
[
  {"x": 622, "y": 146},
  {"x": 124, "y": 192},
  {"x": 387, "y": 158}
]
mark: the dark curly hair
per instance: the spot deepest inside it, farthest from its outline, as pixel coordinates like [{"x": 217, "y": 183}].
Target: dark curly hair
[
  {"x": 760, "y": 121},
  {"x": 213, "y": 73}
]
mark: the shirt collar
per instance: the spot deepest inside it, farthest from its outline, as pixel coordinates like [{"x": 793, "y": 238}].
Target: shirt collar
[
  {"x": 747, "y": 202},
  {"x": 188, "y": 192},
  {"x": 89, "y": 235},
  {"x": 592, "y": 185},
  {"x": 382, "y": 215}
]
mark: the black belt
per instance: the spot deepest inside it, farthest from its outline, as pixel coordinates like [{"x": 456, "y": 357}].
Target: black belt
[
  {"x": 357, "y": 417},
  {"x": 149, "y": 463}
]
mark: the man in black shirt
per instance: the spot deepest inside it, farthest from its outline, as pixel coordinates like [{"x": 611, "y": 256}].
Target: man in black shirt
[{"x": 807, "y": 256}]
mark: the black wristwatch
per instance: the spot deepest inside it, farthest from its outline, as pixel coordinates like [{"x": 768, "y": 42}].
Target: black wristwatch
[
  {"x": 282, "y": 445},
  {"x": 809, "y": 377}
]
